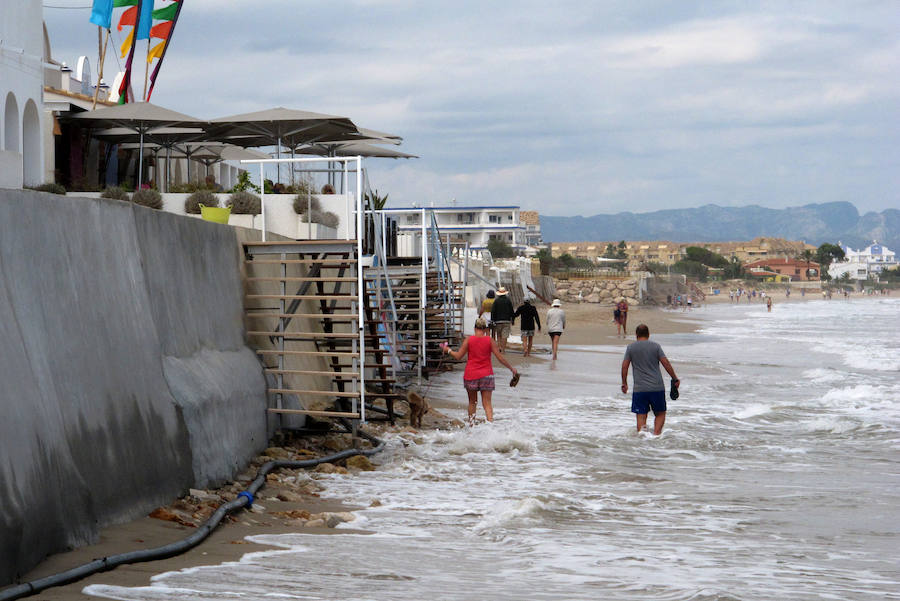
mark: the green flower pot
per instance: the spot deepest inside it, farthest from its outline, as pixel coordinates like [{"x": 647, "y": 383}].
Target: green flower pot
[{"x": 215, "y": 214}]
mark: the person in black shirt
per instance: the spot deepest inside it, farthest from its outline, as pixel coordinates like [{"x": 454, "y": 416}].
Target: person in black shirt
[
  {"x": 502, "y": 315},
  {"x": 530, "y": 317}
]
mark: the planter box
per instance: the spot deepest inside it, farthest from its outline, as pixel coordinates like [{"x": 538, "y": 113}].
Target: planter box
[{"x": 314, "y": 231}]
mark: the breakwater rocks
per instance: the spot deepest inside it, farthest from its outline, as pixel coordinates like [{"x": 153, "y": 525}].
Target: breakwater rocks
[{"x": 608, "y": 290}]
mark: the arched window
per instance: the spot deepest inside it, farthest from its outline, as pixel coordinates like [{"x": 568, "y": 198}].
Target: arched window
[
  {"x": 11, "y": 124},
  {"x": 31, "y": 145}
]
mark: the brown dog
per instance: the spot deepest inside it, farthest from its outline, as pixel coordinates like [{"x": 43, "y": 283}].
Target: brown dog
[{"x": 418, "y": 407}]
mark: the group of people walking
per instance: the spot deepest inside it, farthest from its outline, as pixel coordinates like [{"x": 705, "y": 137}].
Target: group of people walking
[{"x": 492, "y": 329}]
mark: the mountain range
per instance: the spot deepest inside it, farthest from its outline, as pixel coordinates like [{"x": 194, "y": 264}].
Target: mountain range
[{"x": 813, "y": 223}]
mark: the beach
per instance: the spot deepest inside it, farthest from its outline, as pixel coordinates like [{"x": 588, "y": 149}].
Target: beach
[{"x": 744, "y": 497}]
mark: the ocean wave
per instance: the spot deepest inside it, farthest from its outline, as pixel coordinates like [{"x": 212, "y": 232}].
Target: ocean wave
[{"x": 512, "y": 513}]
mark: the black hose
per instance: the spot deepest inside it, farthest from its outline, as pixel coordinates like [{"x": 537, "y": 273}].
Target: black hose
[{"x": 244, "y": 499}]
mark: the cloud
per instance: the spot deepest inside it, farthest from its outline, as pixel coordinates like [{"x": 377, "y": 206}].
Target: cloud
[{"x": 569, "y": 107}]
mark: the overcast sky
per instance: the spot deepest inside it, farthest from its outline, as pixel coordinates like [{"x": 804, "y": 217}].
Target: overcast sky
[{"x": 564, "y": 107}]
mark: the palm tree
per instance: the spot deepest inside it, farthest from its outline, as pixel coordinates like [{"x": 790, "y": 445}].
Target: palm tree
[
  {"x": 807, "y": 256},
  {"x": 376, "y": 201}
]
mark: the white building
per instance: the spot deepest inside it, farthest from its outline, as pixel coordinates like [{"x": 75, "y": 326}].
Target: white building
[
  {"x": 21, "y": 87},
  {"x": 861, "y": 264},
  {"x": 475, "y": 225}
]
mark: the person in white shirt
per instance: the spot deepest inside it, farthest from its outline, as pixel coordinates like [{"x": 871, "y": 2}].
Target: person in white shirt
[{"x": 556, "y": 323}]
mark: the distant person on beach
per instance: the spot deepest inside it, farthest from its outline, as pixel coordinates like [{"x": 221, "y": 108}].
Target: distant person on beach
[
  {"x": 620, "y": 316},
  {"x": 479, "y": 373},
  {"x": 769, "y": 303},
  {"x": 530, "y": 317},
  {"x": 486, "y": 306},
  {"x": 556, "y": 323},
  {"x": 645, "y": 357},
  {"x": 502, "y": 313}
]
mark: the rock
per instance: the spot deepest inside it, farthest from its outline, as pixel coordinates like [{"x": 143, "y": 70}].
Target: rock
[
  {"x": 592, "y": 298},
  {"x": 257, "y": 508},
  {"x": 315, "y": 524},
  {"x": 341, "y": 470},
  {"x": 325, "y": 468},
  {"x": 334, "y": 444},
  {"x": 360, "y": 462},
  {"x": 277, "y": 453},
  {"x": 596, "y": 290},
  {"x": 610, "y": 285},
  {"x": 375, "y": 503},
  {"x": 289, "y": 496},
  {"x": 161, "y": 513}
]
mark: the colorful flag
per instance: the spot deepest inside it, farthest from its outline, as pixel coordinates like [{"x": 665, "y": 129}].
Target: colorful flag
[
  {"x": 161, "y": 30},
  {"x": 101, "y": 13},
  {"x": 127, "y": 18},
  {"x": 146, "y": 20},
  {"x": 125, "y": 92},
  {"x": 166, "y": 13},
  {"x": 121, "y": 3},
  {"x": 127, "y": 44},
  {"x": 168, "y": 39},
  {"x": 156, "y": 51}
]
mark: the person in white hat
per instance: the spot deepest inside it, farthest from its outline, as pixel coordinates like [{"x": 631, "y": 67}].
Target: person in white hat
[
  {"x": 502, "y": 315},
  {"x": 556, "y": 323}
]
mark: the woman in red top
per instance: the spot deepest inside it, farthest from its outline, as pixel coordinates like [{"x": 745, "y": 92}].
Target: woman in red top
[{"x": 479, "y": 374}]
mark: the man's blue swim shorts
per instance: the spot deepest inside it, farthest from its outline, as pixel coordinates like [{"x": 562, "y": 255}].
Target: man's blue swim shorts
[{"x": 642, "y": 402}]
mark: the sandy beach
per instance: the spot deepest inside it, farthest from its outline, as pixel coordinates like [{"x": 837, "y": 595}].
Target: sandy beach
[{"x": 290, "y": 493}]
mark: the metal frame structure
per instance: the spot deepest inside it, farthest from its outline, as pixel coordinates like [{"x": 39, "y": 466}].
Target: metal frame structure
[{"x": 360, "y": 282}]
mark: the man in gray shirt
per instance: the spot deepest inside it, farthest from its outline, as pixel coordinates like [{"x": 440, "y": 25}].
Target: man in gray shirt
[{"x": 645, "y": 357}]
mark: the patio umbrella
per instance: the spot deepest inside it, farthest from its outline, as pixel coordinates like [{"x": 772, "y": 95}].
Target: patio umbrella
[
  {"x": 139, "y": 117},
  {"x": 353, "y": 149},
  {"x": 282, "y": 127},
  {"x": 166, "y": 138}
]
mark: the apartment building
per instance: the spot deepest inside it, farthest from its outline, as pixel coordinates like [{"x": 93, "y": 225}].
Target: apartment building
[
  {"x": 475, "y": 225},
  {"x": 865, "y": 263}
]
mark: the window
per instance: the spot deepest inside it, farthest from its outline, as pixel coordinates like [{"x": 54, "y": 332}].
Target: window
[{"x": 493, "y": 218}]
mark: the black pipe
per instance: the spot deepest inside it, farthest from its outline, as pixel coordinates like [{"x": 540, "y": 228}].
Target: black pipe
[{"x": 244, "y": 499}]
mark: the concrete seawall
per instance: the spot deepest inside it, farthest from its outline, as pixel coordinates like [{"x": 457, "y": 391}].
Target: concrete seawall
[{"x": 125, "y": 378}]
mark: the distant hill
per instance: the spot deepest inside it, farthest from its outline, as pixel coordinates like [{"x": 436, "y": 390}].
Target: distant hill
[{"x": 814, "y": 223}]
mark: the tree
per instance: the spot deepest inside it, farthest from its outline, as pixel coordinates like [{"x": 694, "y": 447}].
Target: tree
[
  {"x": 620, "y": 251},
  {"x": 610, "y": 252},
  {"x": 567, "y": 260},
  {"x": 691, "y": 268},
  {"x": 375, "y": 200},
  {"x": 546, "y": 258},
  {"x": 499, "y": 249},
  {"x": 826, "y": 254}
]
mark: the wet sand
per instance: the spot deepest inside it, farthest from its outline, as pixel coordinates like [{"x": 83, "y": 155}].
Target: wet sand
[{"x": 587, "y": 324}]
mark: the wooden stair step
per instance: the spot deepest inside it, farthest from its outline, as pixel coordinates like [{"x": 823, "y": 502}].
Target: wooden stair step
[
  {"x": 301, "y": 279},
  {"x": 311, "y": 335},
  {"x": 347, "y": 317},
  {"x": 299, "y": 296},
  {"x": 308, "y": 372},
  {"x": 314, "y": 413},
  {"x": 332, "y": 263},
  {"x": 310, "y": 353},
  {"x": 335, "y": 393}
]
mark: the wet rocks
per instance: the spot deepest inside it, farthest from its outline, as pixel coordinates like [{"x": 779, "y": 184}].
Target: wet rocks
[{"x": 361, "y": 463}]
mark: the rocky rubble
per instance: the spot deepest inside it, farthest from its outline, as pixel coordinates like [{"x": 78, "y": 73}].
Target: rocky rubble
[{"x": 606, "y": 291}]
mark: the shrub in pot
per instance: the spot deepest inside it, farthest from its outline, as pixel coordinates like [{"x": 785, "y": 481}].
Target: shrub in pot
[
  {"x": 51, "y": 187},
  {"x": 115, "y": 192},
  {"x": 329, "y": 219},
  {"x": 200, "y": 197},
  {"x": 148, "y": 197},
  {"x": 302, "y": 201},
  {"x": 244, "y": 203}
]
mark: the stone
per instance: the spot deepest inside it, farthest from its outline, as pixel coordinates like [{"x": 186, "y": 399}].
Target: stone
[
  {"x": 592, "y": 298},
  {"x": 315, "y": 524},
  {"x": 375, "y": 503},
  {"x": 360, "y": 462},
  {"x": 257, "y": 508},
  {"x": 338, "y": 469},
  {"x": 277, "y": 453},
  {"x": 325, "y": 468},
  {"x": 289, "y": 496}
]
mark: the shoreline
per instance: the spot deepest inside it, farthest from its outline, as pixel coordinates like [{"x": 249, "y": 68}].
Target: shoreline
[{"x": 296, "y": 492}]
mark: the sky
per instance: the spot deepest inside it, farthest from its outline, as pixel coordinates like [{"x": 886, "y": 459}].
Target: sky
[{"x": 567, "y": 108}]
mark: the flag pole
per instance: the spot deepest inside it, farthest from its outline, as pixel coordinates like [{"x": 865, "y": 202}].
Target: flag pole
[
  {"x": 146, "y": 71},
  {"x": 102, "y": 48}
]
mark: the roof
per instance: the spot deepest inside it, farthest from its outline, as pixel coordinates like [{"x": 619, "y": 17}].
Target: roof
[
  {"x": 780, "y": 261},
  {"x": 530, "y": 217}
]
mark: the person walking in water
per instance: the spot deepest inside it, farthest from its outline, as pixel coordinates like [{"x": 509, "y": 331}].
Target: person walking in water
[
  {"x": 487, "y": 305},
  {"x": 645, "y": 357},
  {"x": 502, "y": 313},
  {"x": 479, "y": 373},
  {"x": 530, "y": 317},
  {"x": 556, "y": 323}
]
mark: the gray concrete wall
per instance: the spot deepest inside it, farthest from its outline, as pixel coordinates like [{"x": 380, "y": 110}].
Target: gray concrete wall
[{"x": 124, "y": 377}]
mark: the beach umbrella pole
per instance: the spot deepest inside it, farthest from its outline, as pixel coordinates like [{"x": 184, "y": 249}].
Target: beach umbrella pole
[{"x": 140, "y": 161}]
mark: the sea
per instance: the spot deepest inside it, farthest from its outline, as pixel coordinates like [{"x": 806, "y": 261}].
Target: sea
[{"x": 777, "y": 477}]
